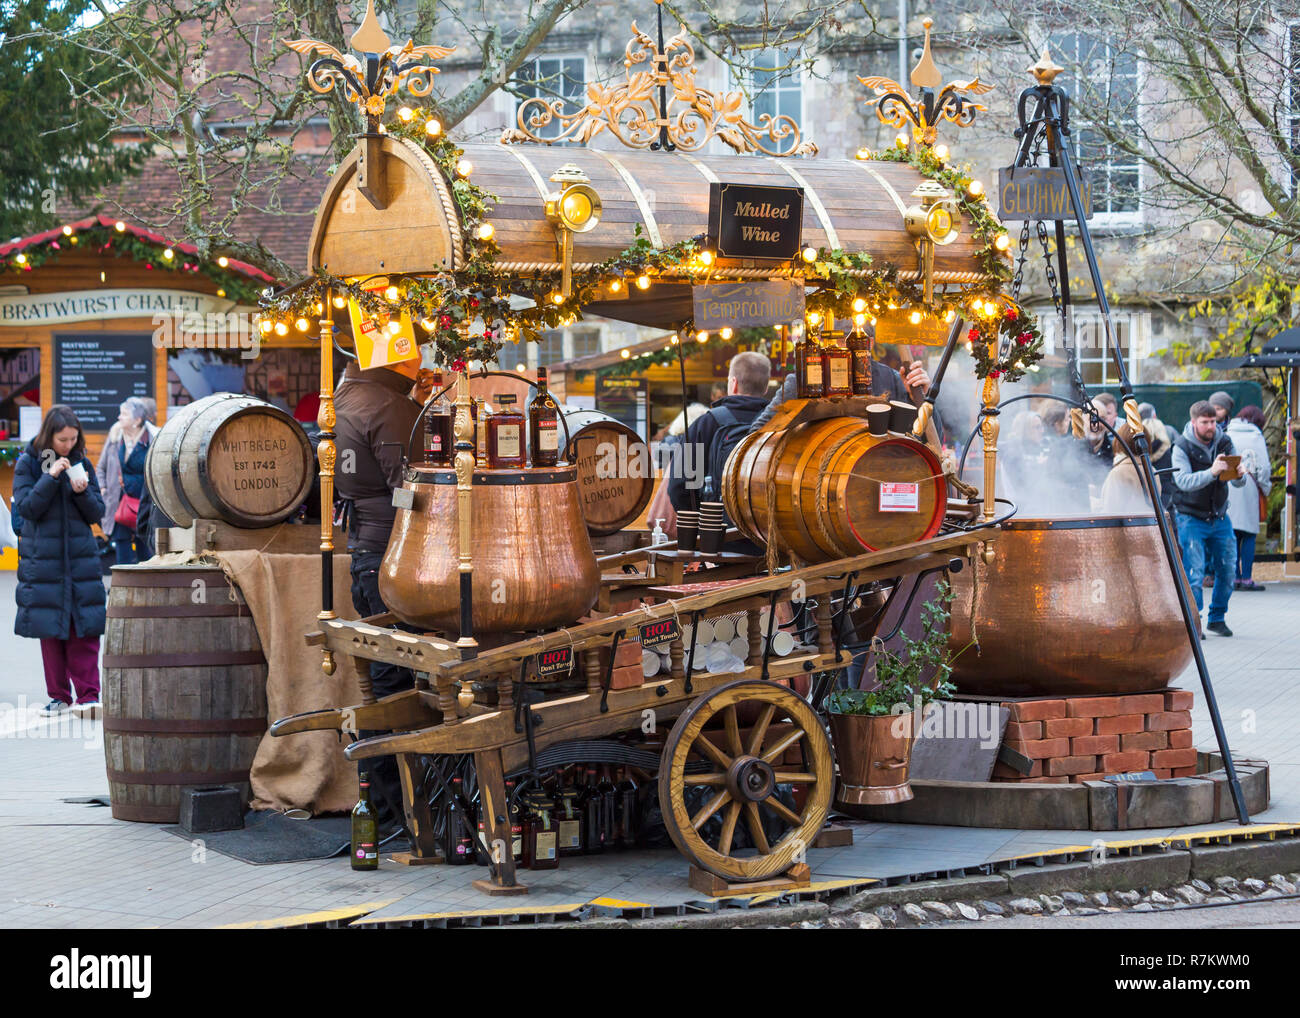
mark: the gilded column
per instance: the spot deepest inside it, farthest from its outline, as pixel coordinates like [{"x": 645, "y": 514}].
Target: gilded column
[{"x": 325, "y": 455}]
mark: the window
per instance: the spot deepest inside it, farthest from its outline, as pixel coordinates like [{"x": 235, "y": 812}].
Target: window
[
  {"x": 1109, "y": 79},
  {"x": 774, "y": 83},
  {"x": 1096, "y": 363},
  {"x": 552, "y": 78}
]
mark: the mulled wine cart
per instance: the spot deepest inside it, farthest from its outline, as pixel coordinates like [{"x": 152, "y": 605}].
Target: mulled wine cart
[{"x": 491, "y": 572}]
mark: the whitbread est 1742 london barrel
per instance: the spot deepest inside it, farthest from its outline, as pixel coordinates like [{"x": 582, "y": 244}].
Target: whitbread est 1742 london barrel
[{"x": 229, "y": 457}]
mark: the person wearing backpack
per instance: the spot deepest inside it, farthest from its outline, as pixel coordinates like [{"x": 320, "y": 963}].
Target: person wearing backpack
[{"x": 695, "y": 471}]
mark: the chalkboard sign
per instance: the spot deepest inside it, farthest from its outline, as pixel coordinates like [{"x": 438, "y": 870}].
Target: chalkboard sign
[
  {"x": 755, "y": 221},
  {"x": 94, "y": 372}
]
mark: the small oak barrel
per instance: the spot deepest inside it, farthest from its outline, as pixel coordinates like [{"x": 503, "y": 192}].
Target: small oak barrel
[
  {"x": 184, "y": 688},
  {"x": 229, "y": 457},
  {"x": 837, "y": 489},
  {"x": 615, "y": 475}
]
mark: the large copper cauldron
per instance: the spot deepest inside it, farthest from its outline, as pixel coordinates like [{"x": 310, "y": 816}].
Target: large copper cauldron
[
  {"x": 1070, "y": 607},
  {"x": 533, "y": 562}
]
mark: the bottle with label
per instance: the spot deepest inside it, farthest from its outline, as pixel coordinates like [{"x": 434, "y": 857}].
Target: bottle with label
[
  {"x": 593, "y": 825},
  {"x": 365, "y": 829},
  {"x": 505, "y": 435},
  {"x": 480, "y": 414},
  {"x": 568, "y": 817},
  {"x": 458, "y": 828},
  {"x": 837, "y": 370},
  {"x": 860, "y": 356},
  {"x": 543, "y": 426},
  {"x": 439, "y": 433},
  {"x": 808, "y": 369},
  {"x": 541, "y": 839},
  {"x": 516, "y": 816}
]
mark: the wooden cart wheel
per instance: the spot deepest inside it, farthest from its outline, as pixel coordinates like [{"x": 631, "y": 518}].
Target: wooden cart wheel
[{"x": 744, "y": 770}]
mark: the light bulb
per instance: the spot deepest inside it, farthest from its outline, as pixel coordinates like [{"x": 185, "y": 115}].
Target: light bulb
[
  {"x": 394, "y": 327},
  {"x": 119, "y": 226},
  {"x": 169, "y": 254},
  {"x": 265, "y": 325},
  {"x": 901, "y": 141},
  {"x": 339, "y": 302},
  {"x": 941, "y": 153},
  {"x": 863, "y": 153},
  {"x": 302, "y": 325},
  {"x": 20, "y": 258},
  {"x": 1003, "y": 242},
  {"x": 859, "y": 305},
  {"x": 975, "y": 188},
  {"x": 67, "y": 231},
  {"x": 949, "y": 315},
  {"x": 320, "y": 308},
  {"x": 464, "y": 167},
  {"x": 485, "y": 231},
  {"x": 705, "y": 257},
  {"x": 433, "y": 128},
  {"x": 521, "y": 368},
  {"x": 809, "y": 254},
  {"x": 220, "y": 292},
  {"x": 405, "y": 114},
  {"x": 223, "y": 261},
  {"x": 427, "y": 324},
  {"x": 859, "y": 320},
  {"x": 557, "y": 297},
  {"x": 281, "y": 329},
  {"x": 625, "y": 353},
  {"x": 814, "y": 318},
  {"x": 673, "y": 340},
  {"x": 726, "y": 333},
  {"x": 643, "y": 282},
  {"x": 391, "y": 293},
  {"x": 702, "y": 336},
  {"x": 915, "y": 318},
  {"x": 615, "y": 285}
]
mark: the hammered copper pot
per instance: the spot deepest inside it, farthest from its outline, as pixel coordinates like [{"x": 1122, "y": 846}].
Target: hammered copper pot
[
  {"x": 532, "y": 556},
  {"x": 1070, "y": 607},
  {"x": 874, "y": 753}
]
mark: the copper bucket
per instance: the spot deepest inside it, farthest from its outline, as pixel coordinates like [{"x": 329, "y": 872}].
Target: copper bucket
[
  {"x": 873, "y": 757},
  {"x": 532, "y": 556},
  {"x": 1070, "y": 607}
]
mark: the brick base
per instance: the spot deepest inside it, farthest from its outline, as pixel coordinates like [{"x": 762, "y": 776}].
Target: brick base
[{"x": 1085, "y": 738}]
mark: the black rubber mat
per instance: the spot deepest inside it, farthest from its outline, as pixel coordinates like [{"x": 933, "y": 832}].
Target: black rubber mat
[{"x": 271, "y": 837}]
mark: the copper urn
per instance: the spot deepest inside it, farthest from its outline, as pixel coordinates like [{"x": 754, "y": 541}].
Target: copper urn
[
  {"x": 532, "y": 557},
  {"x": 874, "y": 753},
  {"x": 1070, "y": 607}
]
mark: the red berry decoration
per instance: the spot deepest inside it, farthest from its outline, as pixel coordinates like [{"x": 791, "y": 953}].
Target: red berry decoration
[
  {"x": 1011, "y": 314},
  {"x": 973, "y": 335},
  {"x": 995, "y": 373},
  {"x": 458, "y": 365},
  {"x": 1024, "y": 339}
]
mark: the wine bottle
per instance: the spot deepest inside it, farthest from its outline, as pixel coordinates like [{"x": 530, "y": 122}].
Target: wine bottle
[
  {"x": 837, "y": 370},
  {"x": 593, "y": 827},
  {"x": 808, "y": 369},
  {"x": 505, "y": 441},
  {"x": 438, "y": 430},
  {"x": 860, "y": 353},
  {"x": 365, "y": 829},
  {"x": 543, "y": 426},
  {"x": 458, "y": 827},
  {"x": 568, "y": 817}
]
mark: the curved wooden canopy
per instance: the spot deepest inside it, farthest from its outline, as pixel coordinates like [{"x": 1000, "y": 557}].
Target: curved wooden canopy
[{"x": 856, "y": 205}]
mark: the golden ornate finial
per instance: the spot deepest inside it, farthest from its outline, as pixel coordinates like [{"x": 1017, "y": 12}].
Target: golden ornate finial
[
  {"x": 926, "y": 74},
  {"x": 369, "y": 37},
  {"x": 370, "y": 84},
  {"x": 630, "y": 111},
  {"x": 1045, "y": 71},
  {"x": 894, "y": 107}
]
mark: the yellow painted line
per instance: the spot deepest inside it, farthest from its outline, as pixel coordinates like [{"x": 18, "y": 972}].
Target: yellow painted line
[
  {"x": 329, "y": 915},
  {"x": 619, "y": 903},
  {"x": 472, "y": 914}
]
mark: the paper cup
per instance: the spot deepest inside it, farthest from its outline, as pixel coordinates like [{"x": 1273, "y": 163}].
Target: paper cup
[
  {"x": 901, "y": 418},
  {"x": 878, "y": 415},
  {"x": 724, "y": 629},
  {"x": 782, "y": 643}
]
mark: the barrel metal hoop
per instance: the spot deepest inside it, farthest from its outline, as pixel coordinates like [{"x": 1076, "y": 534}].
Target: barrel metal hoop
[
  {"x": 178, "y": 777},
  {"x": 175, "y": 576},
  {"x": 237, "y": 609},
  {"x": 146, "y": 814},
  {"x": 186, "y": 726},
  {"x": 200, "y": 660},
  {"x": 511, "y": 478}
]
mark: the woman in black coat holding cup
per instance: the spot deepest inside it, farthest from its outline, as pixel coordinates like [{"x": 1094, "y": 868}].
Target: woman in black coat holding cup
[{"x": 60, "y": 591}]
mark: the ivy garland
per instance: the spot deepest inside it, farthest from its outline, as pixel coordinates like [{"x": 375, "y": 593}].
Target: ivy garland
[
  {"x": 468, "y": 315},
  {"x": 123, "y": 244}
]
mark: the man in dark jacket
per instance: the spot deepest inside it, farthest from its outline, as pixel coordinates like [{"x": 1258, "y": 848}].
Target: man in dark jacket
[
  {"x": 696, "y": 461},
  {"x": 1201, "y": 504},
  {"x": 376, "y": 411}
]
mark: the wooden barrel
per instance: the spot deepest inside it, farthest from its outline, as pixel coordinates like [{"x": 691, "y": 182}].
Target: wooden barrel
[
  {"x": 838, "y": 490},
  {"x": 229, "y": 457},
  {"x": 184, "y": 688},
  {"x": 615, "y": 475}
]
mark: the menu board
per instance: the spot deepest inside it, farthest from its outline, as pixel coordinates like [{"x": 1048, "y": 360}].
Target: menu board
[
  {"x": 625, "y": 400},
  {"x": 94, "y": 372}
]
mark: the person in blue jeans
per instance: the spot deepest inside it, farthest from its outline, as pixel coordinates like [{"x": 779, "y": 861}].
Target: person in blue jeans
[{"x": 1200, "y": 501}]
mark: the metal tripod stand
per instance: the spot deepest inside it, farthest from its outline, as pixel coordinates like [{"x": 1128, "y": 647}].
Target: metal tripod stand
[{"x": 1049, "y": 122}]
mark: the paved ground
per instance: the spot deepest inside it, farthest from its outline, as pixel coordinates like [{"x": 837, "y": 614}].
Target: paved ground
[
  {"x": 1277, "y": 914},
  {"x": 80, "y": 868}
]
